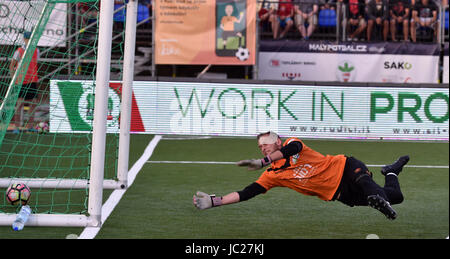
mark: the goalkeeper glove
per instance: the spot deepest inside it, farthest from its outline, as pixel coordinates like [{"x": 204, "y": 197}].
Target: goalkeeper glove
[
  {"x": 255, "y": 164},
  {"x": 204, "y": 201}
]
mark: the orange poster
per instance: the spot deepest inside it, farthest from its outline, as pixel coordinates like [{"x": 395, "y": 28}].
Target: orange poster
[{"x": 201, "y": 32}]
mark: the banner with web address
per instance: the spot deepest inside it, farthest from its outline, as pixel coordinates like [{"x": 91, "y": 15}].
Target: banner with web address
[{"x": 222, "y": 109}]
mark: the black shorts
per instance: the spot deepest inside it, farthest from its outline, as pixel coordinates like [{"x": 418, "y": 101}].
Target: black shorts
[
  {"x": 348, "y": 191},
  {"x": 28, "y": 91}
]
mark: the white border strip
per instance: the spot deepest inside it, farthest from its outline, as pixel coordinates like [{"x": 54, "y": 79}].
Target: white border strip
[
  {"x": 234, "y": 163},
  {"x": 116, "y": 195}
]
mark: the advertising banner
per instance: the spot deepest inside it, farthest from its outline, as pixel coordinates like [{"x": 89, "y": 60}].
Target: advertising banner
[
  {"x": 304, "y": 111},
  {"x": 205, "y": 32},
  {"x": 445, "y": 75},
  {"x": 353, "y": 62},
  {"x": 19, "y": 16},
  {"x": 72, "y": 105}
]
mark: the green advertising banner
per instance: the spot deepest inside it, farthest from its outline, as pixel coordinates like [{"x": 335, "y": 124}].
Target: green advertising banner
[
  {"x": 291, "y": 110},
  {"x": 72, "y": 107}
]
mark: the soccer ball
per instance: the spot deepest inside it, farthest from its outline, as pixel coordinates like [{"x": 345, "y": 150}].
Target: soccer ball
[
  {"x": 18, "y": 193},
  {"x": 242, "y": 54},
  {"x": 42, "y": 127}
]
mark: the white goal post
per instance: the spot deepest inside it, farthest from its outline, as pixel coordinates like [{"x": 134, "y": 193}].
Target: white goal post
[{"x": 96, "y": 183}]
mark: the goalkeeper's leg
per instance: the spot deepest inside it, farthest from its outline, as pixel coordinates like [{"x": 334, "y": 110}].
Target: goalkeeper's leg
[
  {"x": 392, "y": 185},
  {"x": 392, "y": 189},
  {"x": 358, "y": 188}
]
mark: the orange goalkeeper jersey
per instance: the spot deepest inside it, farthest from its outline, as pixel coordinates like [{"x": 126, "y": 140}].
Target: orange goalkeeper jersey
[{"x": 307, "y": 172}]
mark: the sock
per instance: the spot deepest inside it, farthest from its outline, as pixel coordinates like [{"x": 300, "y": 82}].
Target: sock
[{"x": 392, "y": 189}]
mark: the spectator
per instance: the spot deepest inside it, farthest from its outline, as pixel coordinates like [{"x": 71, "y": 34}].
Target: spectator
[
  {"x": 266, "y": 10},
  {"x": 306, "y": 12},
  {"x": 399, "y": 13},
  {"x": 424, "y": 16},
  {"x": 378, "y": 16},
  {"x": 282, "y": 19},
  {"x": 149, "y": 4},
  {"x": 88, "y": 12},
  {"x": 355, "y": 22},
  {"x": 29, "y": 88}
]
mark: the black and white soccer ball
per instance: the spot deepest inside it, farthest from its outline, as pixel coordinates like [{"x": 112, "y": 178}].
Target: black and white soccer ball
[{"x": 242, "y": 54}]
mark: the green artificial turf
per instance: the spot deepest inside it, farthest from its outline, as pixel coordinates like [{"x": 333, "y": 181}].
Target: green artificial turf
[{"x": 159, "y": 203}]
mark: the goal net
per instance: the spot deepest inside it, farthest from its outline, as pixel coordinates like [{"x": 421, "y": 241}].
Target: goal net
[{"x": 50, "y": 59}]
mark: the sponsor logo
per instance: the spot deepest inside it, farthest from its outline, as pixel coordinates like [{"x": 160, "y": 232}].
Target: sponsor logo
[
  {"x": 277, "y": 63},
  {"x": 78, "y": 103},
  {"x": 291, "y": 75},
  {"x": 167, "y": 50},
  {"x": 292, "y": 62},
  {"x": 274, "y": 63},
  {"x": 397, "y": 65},
  {"x": 396, "y": 79},
  {"x": 338, "y": 47},
  {"x": 345, "y": 71}
]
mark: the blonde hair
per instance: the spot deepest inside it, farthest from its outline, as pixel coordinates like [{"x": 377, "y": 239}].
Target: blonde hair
[{"x": 272, "y": 135}]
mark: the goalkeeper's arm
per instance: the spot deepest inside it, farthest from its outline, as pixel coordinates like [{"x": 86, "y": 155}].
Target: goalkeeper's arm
[
  {"x": 205, "y": 201},
  {"x": 284, "y": 152}
]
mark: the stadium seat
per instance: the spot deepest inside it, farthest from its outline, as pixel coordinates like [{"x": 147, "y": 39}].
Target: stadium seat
[
  {"x": 446, "y": 20},
  {"x": 120, "y": 15},
  {"x": 327, "y": 18},
  {"x": 143, "y": 13}
]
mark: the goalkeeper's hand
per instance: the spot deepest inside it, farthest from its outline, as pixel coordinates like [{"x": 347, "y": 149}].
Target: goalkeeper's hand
[
  {"x": 204, "y": 201},
  {"x": 255, "y": 164}
]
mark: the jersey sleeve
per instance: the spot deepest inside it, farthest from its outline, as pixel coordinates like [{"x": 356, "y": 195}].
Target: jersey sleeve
[
  {"x": 251, "y": 191},
  {"x": 291, "y": 148}
]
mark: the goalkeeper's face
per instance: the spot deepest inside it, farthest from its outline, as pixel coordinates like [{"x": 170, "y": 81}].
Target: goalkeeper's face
[{"x": 269, "y": 144}]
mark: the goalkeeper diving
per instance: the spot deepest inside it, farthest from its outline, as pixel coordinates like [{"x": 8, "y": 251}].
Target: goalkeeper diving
[{"x": 294, "y": 165}]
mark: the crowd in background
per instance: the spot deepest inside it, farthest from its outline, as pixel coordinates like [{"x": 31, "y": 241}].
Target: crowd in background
[
  {"x": 364, "y": 20},
  {"x": 368, "y": 20}
]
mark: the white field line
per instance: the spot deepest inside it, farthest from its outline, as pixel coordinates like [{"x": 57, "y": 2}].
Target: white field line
[
  {"x": 234, "y": 163},
  {"x": 116, "y": 195}
]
